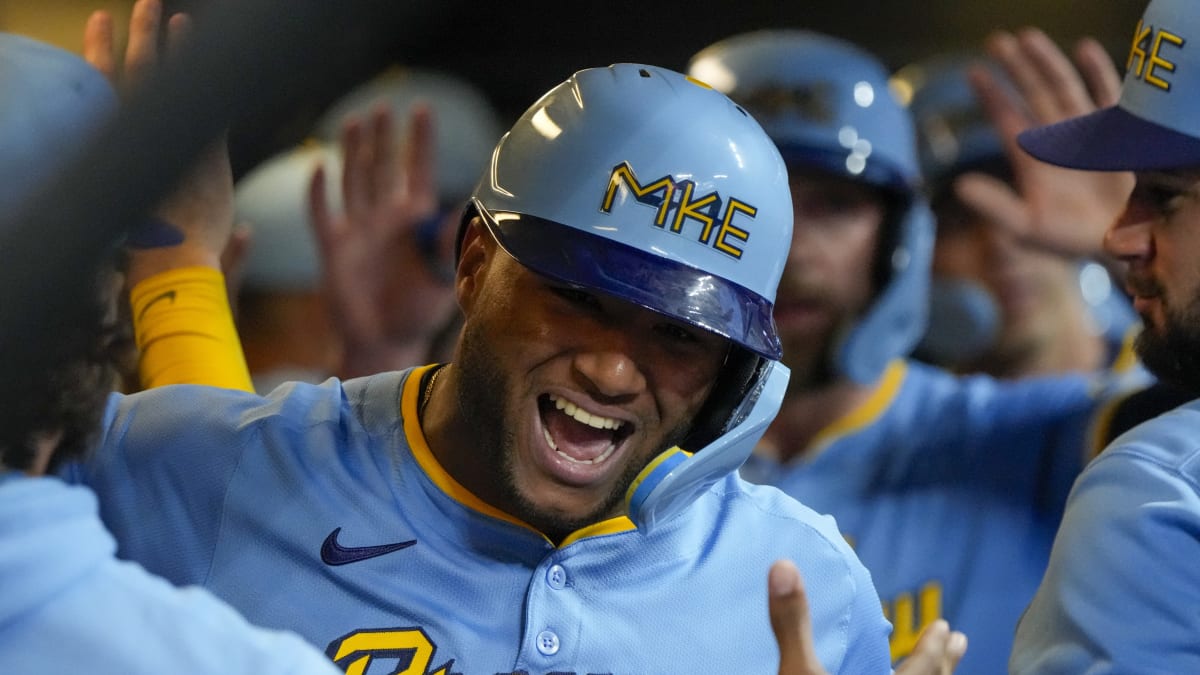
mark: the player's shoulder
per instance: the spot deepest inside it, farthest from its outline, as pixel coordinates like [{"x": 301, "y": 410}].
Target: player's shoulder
[
  {"x": 289, "y": 404},
  {"x": 757, "y": 513},
  {"x": 1168, "y": 442}
]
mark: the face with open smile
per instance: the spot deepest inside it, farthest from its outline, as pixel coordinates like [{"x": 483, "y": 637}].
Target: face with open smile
[
  {"x": 567, "y": 394},
  {"x": 1158, "y": 237}
]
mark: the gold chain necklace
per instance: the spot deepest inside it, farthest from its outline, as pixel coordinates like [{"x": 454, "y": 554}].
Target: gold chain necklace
[{"x": 428, "y": 393}]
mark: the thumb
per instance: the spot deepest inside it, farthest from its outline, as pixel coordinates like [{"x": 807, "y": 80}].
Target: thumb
[{"x": 791, "y": 622}]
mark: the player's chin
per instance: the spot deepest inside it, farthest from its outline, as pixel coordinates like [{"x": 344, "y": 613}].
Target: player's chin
[{"x": 559, "y": 510}]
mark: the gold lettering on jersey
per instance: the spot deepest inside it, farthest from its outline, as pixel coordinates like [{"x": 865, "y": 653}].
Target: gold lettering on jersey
[
  {"x": 410, "y": 650},
  {"x": 1146, "y": 61},
  {"x": 910, "y": 617},
  {"x": 354, "y": 652},
  {"x": 706, "y": 210}
]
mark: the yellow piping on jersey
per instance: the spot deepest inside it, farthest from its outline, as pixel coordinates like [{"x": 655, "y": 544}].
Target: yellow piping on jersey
[
  {"x": 867, "y": 412},
  {"x": 1126, "y": 358},
  {"x": 460, "y": 494}
]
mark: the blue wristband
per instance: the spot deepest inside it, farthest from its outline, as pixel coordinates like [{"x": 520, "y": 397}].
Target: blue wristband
[{"x": 153, "y": 233}]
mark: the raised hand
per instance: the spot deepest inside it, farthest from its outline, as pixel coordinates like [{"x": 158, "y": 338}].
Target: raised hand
[
  {"x": 386, "y": 261},
  {"x": 201, "y": 208},
  {"x": 1063, "y": 210}
]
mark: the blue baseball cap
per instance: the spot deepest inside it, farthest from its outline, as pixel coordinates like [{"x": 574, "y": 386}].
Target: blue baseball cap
[
  {"x": 1156, "y": 124},
  {"x": 53, "y": 103}
]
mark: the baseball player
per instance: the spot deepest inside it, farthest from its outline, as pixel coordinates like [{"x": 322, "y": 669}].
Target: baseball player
[
  {"x": 1121, "y": 592},
  {"x": 69, "y": 605},
  {"x": 949, "y": 489},
  {"x": 562, "y": 497}
]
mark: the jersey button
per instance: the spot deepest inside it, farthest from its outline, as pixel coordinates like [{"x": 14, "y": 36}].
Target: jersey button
[
  {"x": 556, "y": 577},
  {"x": 547, "y": 643}
]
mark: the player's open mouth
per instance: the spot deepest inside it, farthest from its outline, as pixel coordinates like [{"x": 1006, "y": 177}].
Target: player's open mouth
[{"x": 579, "y": 436}]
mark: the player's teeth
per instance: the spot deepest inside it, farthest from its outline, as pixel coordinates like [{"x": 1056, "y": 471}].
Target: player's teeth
[
  {"x": 549, "y": 439},
  {"x": 583, "y": 416},
  {"x": 603, "y": 456}
]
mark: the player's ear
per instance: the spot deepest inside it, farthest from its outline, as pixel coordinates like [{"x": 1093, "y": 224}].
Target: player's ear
[{"x": 476, "y": 250}]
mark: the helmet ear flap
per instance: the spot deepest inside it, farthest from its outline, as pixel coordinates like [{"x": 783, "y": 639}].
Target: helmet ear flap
[
  {"x": 470, "y": 211},
  {"x": 722, "y": 410}
]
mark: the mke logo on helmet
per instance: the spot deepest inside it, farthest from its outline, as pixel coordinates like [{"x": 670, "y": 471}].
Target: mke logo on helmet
[
  {"x": 1147, "y": 43},
  {"x": 668, "y": 196}
]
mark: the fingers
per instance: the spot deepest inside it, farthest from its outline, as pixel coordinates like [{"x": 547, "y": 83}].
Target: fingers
[
  {"x": 382, "y": 142},
  {"x": 178, "y": 27},
  {"x": 790, "y": 621},
  {"x": 995, "y": 200},
  {"x": 323, "y": 222},
  {"x": 142, "y": 52},
  {"x": 356, "y": 170},
  {"x": 420, "y": 161},
  {"x": 1099, "y": 72},
  {"x": 937, "y": 652},
  {"x": 1047, "y": 81},
  {"x": 98, "y": 44},
  {"x": 1058, "y": 73},
  {"x": 1005, "y": 113}
]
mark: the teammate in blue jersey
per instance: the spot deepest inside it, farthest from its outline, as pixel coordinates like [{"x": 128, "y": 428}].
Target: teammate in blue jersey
[
  {"x": 950, "y": 489},
  {"x": 68, "y": 604},
  {"x": 563, "y": 496},
  {"x": 1121, "y": 593}
]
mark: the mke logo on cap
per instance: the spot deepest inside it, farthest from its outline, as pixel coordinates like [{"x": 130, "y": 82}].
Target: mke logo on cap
[
  {"x": 716, "y": 223},
  {"x": 1152, "y": 66}
]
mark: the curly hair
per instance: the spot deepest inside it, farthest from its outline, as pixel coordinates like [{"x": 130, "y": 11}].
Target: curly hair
[{"x": 69, "y": 398}]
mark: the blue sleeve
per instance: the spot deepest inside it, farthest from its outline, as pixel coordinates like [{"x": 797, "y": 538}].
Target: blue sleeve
[
  {"x": 867, "y": 650},
  {"x": 1121, "y": 593},
  {"x": 160, "y": 471},
  {"x": 1032, "y": 437}
]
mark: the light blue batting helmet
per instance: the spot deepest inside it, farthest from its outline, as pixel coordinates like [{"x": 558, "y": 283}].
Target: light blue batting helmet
[
  {"x": 954, "y": 133},
  {"x": 649, "y": 186},
  {"x": 272, "y": 200},
  {"x": 826, "y": 104},
  {"x": 466, "y": 126}
]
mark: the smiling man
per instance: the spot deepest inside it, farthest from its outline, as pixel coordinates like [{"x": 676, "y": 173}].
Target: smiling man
[{"x": 562, "y": 497}]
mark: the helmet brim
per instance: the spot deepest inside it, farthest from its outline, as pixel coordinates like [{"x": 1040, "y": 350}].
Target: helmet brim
[
  {"x": 1112, "y": 139},
  {"x": 659, "y": 284}
]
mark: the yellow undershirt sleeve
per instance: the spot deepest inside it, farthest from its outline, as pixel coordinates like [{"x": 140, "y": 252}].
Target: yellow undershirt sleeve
[{"x": 185, "y": 332}]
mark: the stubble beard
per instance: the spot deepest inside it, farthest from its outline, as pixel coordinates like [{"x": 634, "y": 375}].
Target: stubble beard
[{"x": 1172, "y": 353}]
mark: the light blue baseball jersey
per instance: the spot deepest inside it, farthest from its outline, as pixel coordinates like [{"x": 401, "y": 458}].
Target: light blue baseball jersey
[
  {"x": 1122, "y": 591},
  {"x": 950, "y": 490},
  {"x": 69, "y": 606},
  {"x": 321, "y": 509}
]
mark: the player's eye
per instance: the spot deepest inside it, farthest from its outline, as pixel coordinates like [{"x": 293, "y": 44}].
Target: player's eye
[
  {"x": 577, "y": 297},
  {"x": 677, "y": 333},
  {"x": 1164, "y": 196}
]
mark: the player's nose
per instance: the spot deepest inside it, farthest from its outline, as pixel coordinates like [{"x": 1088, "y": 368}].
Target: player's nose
[
  {"x": 1129, "y": 237},
  {"x": 608, "y": 366}
]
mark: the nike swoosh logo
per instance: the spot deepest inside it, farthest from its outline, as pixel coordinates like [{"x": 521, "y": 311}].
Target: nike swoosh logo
[
  {"x": 168, "y": 295},
  {"x": 333, "y": 553}
]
